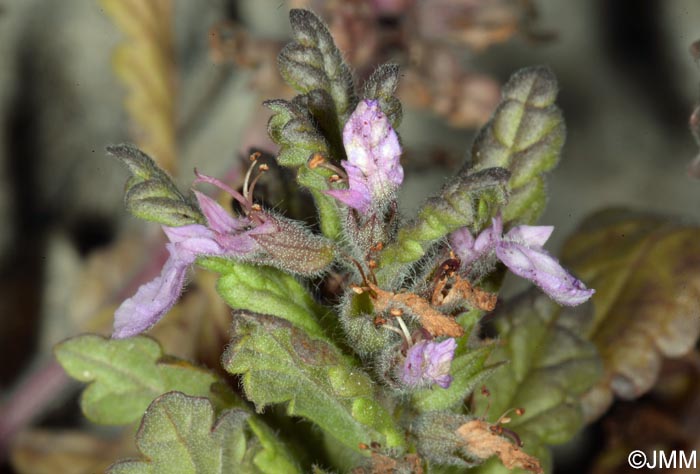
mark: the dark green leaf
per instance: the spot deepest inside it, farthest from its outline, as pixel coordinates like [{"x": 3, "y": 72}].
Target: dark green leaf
[{"x": 281, "y": 364}]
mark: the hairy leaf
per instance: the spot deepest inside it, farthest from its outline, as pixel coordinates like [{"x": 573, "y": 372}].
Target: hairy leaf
[
  {"x": 469, "y": 200},
  {"x": 281, "y": 364},
  {"x": 292, "y": 128},
  {"x": 126, "y": 375},
  {"x": 646, "y": 272},
  {"x": 266, "y": 290},
  {"x": 151, "y": 194},
  {"x": 381, "y": 86},
  {"x": 549, "y": 366},
  {"x": 179, "y": 435},
  {"x": 145, "y": 63},
  {"x": 312, "y": 61},
  {"x": 525, "y": 136}
]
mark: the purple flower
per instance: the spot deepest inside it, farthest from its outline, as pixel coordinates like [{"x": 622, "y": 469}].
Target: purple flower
[
  {"x": 521, "y": 251},
  {"x": 224, "y": 235},
  {"x": 428, "y": 363},
  {"x": 373, "y": 151}
]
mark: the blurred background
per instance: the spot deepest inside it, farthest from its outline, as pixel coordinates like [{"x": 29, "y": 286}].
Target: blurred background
[{"x": 184, "y": 80}]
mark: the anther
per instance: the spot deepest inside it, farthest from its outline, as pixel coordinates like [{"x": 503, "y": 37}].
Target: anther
[{"x": 316, "y": 160}]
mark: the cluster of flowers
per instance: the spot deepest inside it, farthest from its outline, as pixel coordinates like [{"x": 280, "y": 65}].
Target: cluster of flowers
[{"x": 373, "y": 174}]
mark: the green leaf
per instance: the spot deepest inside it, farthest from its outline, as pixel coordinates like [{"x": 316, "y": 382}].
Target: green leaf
[
  {"x": 646, "y": 272},
  {"x": 469, "y": 200},
  {"x": 281, "y": 364},
  {"x": 525, "y": 136},
  {"x": 273, "y": 456},
  {"x": 312, "y": 61},
  {"x": 549, "y": 366},
  {"x": 381, "y": 86},
  {"x": 292, "y": 128},
  {"x": 125, "y": 375},
  {"x": 151, "y": 194},
  {"x": 179, "y": 435},
  {"x": 266, "y": 290}
]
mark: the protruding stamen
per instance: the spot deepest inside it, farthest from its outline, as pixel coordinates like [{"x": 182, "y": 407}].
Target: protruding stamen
[
  {"x": 202, "y": 178},
  {"x": 357, "y": 289},
  {"x": 248, "y": 186},
  {"x": 249, "y": 191},
  {"x": 406, "y": 332},
  {"x": 334, "y": 178}
]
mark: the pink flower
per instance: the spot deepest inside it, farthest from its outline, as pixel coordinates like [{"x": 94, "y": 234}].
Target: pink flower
[
  {"x": 521, "y": 251},
  {"x": 428, "y": 363},
  {"x": 373, "y": 151},
  {"x": 224, "y": 235}
]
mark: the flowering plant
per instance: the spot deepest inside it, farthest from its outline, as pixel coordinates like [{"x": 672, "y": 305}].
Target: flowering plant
[{"x": 395, "y": 368}]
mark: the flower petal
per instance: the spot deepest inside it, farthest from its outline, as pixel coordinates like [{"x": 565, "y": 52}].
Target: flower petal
[
  {"x": 185, "y": 232},
  {"x": 428, "y": 363},
  {"x": 153, "y": 299},
  {"x": 530, "y": 235},
  {"x": 543, "y": 270},
  {"x": 373, "y": 151},
  {"x": 352, "y": 198},
  {"x": 218, "y": 218}
]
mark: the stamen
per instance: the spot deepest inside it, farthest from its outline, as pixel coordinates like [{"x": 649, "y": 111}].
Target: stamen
[
  {"x": 393, "y": 329},
  {"x": 405, "y": 330},
  {"x": 249, "y": 191},
  {"x": 254, "y": 159},
  {"x": 319, "y": 161},
  {"x": 202, "y": 178}
]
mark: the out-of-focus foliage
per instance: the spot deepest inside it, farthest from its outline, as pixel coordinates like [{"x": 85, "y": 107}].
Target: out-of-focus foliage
[
  {"x": 145, "y": 63},
  {"x": 646, "y": 270}
]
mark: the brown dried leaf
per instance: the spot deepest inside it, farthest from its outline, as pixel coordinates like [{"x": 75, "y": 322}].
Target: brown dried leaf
[
  {"x": 382, "y": 464},
  {"x": 646, "y": 271},
  {"x": 436, "y": 323},
  {"x": 462, "y": 290},
  {"x": 484, "y": 443}
]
